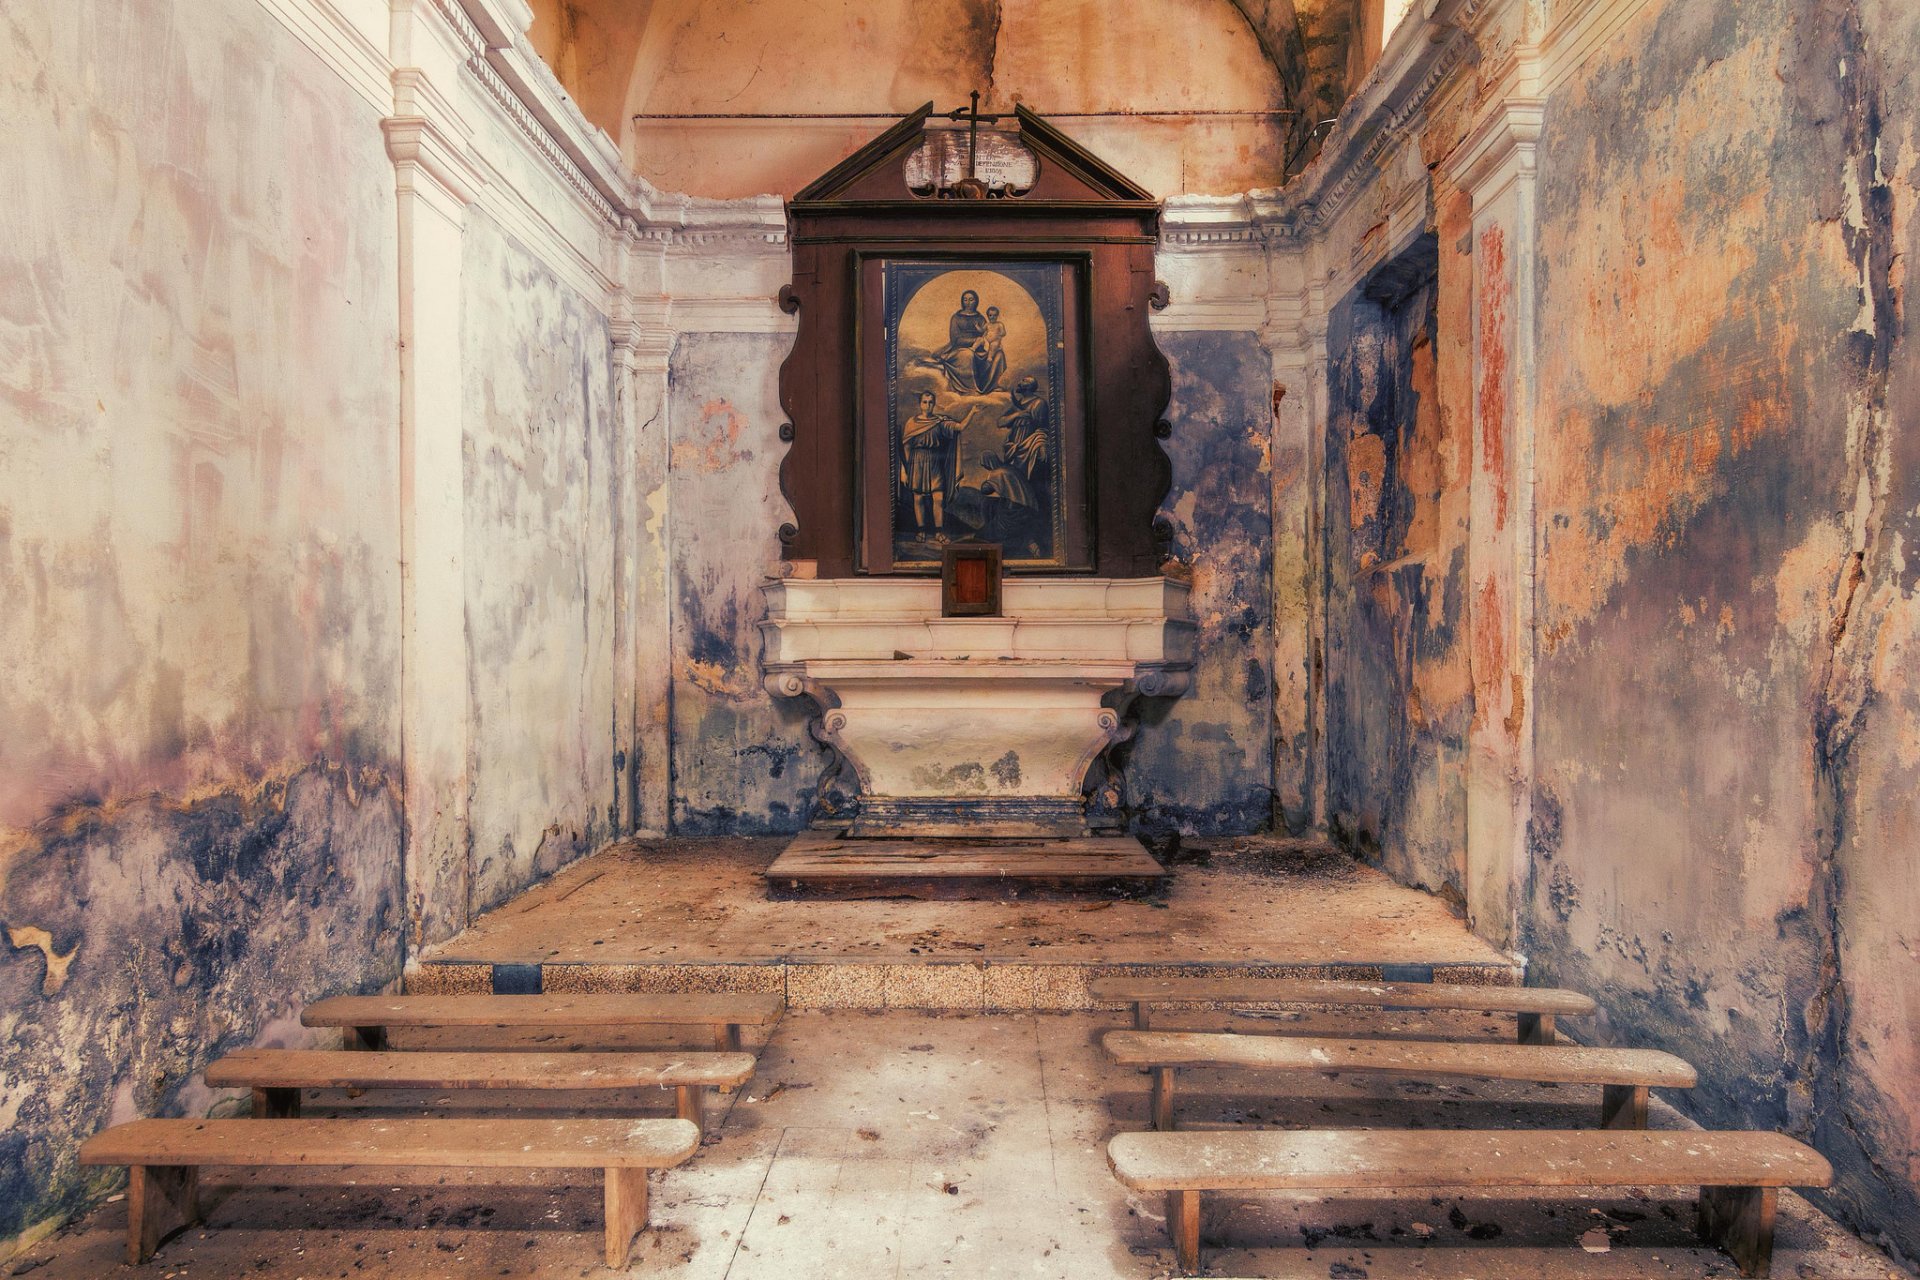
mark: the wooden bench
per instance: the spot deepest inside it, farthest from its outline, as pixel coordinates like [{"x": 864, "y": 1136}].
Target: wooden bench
[
  {"x": 277, "y": 1076},
  {"x": 164, "y": 1158},
  {"x": 1624, "y": 1075},
  {"x": 1536, "y": 1007},
  {"x": 1739, "y": 1174},
  {"x": 367, "y": 1018}
]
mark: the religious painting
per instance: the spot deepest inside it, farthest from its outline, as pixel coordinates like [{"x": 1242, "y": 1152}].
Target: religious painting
[{"x": 980, "y": 398}]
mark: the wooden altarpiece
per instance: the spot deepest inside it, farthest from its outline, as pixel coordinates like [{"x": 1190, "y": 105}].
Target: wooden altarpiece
[{"x": 1031, "y": 415}]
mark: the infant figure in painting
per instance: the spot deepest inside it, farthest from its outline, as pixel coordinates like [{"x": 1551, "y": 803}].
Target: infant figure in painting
[{"x": 989, "y": 354}]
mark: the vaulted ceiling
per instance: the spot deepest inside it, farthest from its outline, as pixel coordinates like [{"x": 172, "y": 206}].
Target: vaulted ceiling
[{"x": 1183, "y": 95}]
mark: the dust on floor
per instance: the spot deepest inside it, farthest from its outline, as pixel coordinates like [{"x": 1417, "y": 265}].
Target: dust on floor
[{"x": 962, "y": 1146}]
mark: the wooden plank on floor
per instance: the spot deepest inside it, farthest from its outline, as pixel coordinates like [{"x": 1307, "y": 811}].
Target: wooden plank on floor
[{"x": 824, "y": 862}]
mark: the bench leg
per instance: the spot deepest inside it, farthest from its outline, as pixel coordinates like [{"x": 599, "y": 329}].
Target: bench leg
[
  {"x": 1536, "y": 1028},
  {"x": 1623, "y": 1106},
  {"x": 727, "y": 1039},
  {"x": 370, "y": 1039},
  {"x": 1740, "y": 1220},
  {"x": 1140, "y": 1018},
  {"x": 1162, "y": 1099},
  {"x": 160, "y": 1199},
  {"x": 690, "y": 1103},
  {"x": 626, "y": 1212},
  {"x": 274, "y": 1104},
  {"x": 1183, "y": 1224}
]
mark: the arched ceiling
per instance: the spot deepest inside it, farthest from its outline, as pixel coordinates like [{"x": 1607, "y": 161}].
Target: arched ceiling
[{"x": 1215, "y": 70}]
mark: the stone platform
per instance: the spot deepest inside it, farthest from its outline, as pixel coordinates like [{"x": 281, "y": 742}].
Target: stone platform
[
  {"x": 695, "y": 915},
  {"x": 825, "y": 864}
]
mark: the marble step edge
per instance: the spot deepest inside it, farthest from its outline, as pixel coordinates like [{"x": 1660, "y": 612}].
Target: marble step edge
[{"x": 925, "y": 983}]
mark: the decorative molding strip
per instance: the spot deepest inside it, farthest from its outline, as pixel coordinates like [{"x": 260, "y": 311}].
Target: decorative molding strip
[
  {"x": 728, "y": 315},
  {"x": 1577, "y": 31},
  {"x": 463, "y": 26},
  {"x": 333, "y": 38},
  {"x": 537, "y": 135},
  {"x": 1225, "y": 315}
]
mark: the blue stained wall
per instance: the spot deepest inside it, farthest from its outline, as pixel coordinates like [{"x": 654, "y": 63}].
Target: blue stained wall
[{"x": 1204, "y": 764}]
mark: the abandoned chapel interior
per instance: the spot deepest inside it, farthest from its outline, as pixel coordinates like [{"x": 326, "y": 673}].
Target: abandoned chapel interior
[{"x": 1061, "y": 639}]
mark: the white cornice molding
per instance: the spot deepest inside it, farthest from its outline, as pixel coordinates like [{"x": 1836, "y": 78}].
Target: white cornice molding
[
  {"x": 419, "y": 147},
  {"x": 1208, "y": 222},
  {"x": 1499, "y": 150}
]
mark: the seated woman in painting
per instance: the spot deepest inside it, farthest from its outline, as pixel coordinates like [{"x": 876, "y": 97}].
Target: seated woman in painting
[
  {"x": 989, "y": 356},
  {"x": 956, "y": 360},
  {"x": 928, "y": 465}
]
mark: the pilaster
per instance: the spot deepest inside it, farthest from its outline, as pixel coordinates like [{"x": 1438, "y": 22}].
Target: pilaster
[
  {"x": 436, "y": 180},
  {"x": 1494, "y": 165}
]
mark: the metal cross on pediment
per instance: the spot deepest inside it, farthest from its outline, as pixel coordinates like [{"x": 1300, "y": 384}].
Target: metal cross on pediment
[
  {"x": 971, "y": 114},
  {"x": 998, "y": 180}
]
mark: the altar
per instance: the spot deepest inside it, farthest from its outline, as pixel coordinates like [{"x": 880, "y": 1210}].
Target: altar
[{"x": 973, "y": 369}]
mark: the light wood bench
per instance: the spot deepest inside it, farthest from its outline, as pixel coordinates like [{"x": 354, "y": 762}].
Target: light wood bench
[
  {"x": 277, "y": 1076},
  {"x": 1624, "y": 1075},
  {"x": 164, "y": 1158},
  {"x": 1739, "y": 1174},
  {"x": 367, "y": 1018},
  {"x": 1536, "y": 1007}
]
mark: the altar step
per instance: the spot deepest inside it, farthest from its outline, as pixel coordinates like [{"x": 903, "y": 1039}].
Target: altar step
[{"x": 826, "y": 864}]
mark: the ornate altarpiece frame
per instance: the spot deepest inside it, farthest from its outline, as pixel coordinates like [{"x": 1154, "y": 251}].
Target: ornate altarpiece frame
[{"x": 863, "y": 504}]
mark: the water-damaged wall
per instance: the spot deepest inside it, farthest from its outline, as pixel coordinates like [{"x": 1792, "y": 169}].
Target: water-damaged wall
[
  {"x": 1728, "y": 725},
  {"x": 1203, "y": 763},
  {"x": 1398, "y": 693},
  {"x": 743, "y": 761},
  {"x": 199, "y": 648},
  {"x": 539, "y": 566}
]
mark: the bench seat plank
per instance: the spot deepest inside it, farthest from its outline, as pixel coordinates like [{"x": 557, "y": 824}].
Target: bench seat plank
[
  {"x": 544, "y": 1011},
  {"x": 1624, "y": 1074},
  {"x": 344, "y": 1069},
  {"x": 163, "y": 1158},
  {"x": 1739, "y": 1174},
  {"x": 404, "y": 1143},
  {"x": 1398, "y": 1160},
  {"x": 1381, "y": 995},
  {"x": 1558, "y": 1064},
  {"x": 366, "y": 1018},
  {"x": 276, "y": 1076}
]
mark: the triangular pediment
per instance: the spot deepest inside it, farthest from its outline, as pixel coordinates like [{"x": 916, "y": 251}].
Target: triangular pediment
[{"x": 1065, "y": 173}]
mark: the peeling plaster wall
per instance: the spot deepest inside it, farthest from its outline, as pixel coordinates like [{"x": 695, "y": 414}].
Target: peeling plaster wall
[
  {"x": 539, "y": 562},
  {"x": 199, "y": 826},
  {"x": 1398, "y": 689},
  {"x": 1203, "y": 764},
  {"x": 743, "y": 761},
  {"x": 1724, "y": 818},
  {"x": 1706, "y": 445}
]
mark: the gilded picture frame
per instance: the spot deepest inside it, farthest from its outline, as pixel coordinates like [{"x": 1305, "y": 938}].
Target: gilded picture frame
[{"x": 972, "y": 378}]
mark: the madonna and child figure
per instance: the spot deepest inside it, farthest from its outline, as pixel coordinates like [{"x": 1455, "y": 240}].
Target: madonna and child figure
[
  {"x": 974, "y": 359},
  {"x": 976, "y": 456}
]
